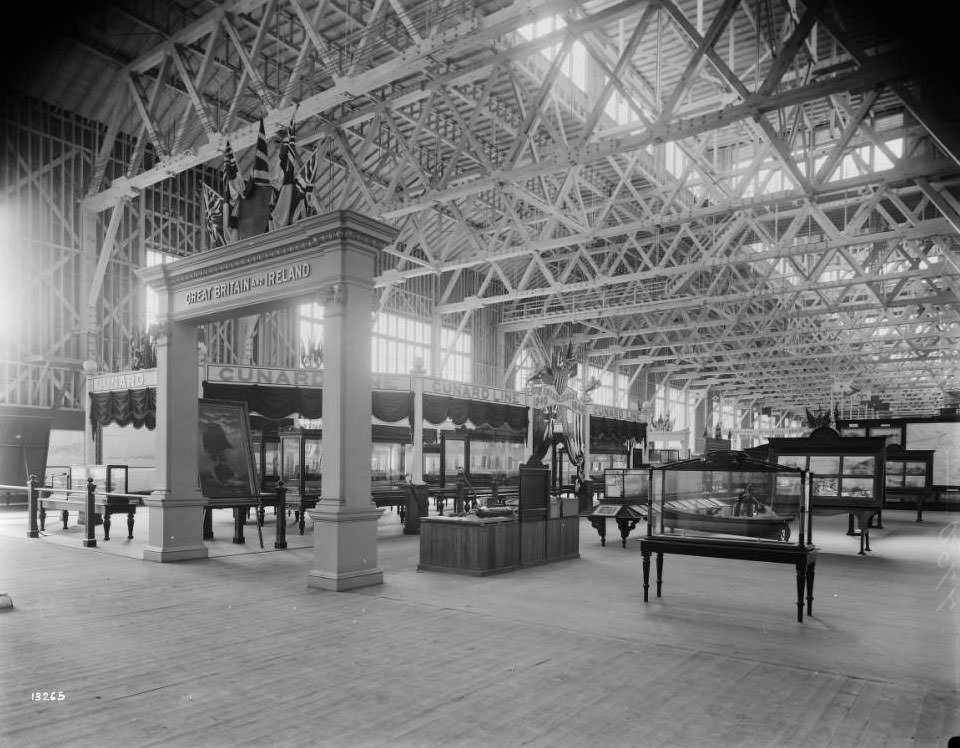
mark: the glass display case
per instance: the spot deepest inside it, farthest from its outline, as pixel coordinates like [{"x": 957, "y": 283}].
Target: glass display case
[
  {"x": 731, "y": 505},
  {"x": 386, "y": 463},
  {"x": 626, "y": 494},
  {"x": 301, "y": 451},
  {"x": 662, "y": 456},
  {"x": 846, "y": 473},
  {"x": 484, "y": 457},
  {"x": 908, "y": 477},
  {"x": 729, "y": 500},
  {"x": 266, "y": 458},
  {"x": 431, "y": 463},
  {"x": 599, "y": 463}
]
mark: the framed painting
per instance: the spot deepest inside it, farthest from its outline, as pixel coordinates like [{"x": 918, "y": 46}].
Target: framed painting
[
  {"x": 225, "y": 459},
  {"x": 858, "y": 464},
  {"x": 825, "y": 464},
  {"x": 858, "y": 488}
]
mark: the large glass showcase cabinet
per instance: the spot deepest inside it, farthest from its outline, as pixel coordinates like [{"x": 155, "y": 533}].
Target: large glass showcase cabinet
[
  {"x": 749, "y": 501},
  {"x": 730, "y": 505},
  {"x": 484, "y": 457},
  {"x": 846, "y": 474},
  {"x": 908, "y": 477}
]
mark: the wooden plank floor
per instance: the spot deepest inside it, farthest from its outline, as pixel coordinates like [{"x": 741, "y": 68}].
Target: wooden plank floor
[{"x": 238, "y": 651}]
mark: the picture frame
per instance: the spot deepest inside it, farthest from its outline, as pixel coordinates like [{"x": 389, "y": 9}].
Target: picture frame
[
  {"x": 226, "y": 468},
  {"x": 857, "y": 488},
  {"x": 914, "y": 481},
  {"x": 825, "y": 487},
  {"x": 916, "y": 468},
  {"x": 825, "y": 464},
  {"x": 858, "y": 465},
  {"x": 794, "y": 461}
]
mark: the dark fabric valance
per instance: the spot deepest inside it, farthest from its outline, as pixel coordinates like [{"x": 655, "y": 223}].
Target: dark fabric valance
[
  {"x": 392, "y": 406},
  {"x": 438, "y": 408},
  {"x": 280, "y": 402},
  {"x": 272, "y": 402},
  {"x": 613, "y": 429},
  {"x": 136, "y": 408}
]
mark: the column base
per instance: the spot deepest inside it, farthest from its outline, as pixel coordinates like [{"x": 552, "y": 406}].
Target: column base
[
  {"x": 175, "y": 528},
  {"x": 341, "y": 582},
  {"x": 344, "y": 547},
  {"x": 165, "y": 555}
]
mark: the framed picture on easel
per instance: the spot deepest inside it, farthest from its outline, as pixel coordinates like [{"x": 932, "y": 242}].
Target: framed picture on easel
[{"x": 225, "y": 459}]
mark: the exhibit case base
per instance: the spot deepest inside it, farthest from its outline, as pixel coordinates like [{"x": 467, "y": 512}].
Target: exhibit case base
[{"x": 491, "y": 545}]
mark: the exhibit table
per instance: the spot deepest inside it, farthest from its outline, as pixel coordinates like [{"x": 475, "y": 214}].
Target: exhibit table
[
  {"x": 803, "y": 557},
  {"x": 488, "y": 545}
]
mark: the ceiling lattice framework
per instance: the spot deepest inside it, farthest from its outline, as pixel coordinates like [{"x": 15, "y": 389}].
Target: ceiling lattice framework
[{"x": 773, "y": 212}]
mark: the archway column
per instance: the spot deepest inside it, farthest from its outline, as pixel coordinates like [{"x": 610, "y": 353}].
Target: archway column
[
  {"x": 175, "y": 506},
  {"x": 345, "y": 518}
]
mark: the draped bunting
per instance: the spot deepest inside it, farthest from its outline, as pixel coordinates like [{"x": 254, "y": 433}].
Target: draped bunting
[
  {"x": 613, "y": 429},
  {"x": 280, "y": 402},
  {"x": 136, "y": 408},
  {"x": 438, "y": 408},
  {"x": 392, "y": 406},
  {"x": 272, "y": 402}
]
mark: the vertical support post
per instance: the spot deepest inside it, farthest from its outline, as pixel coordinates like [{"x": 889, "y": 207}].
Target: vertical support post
[
  {"x": 345, "y": 518},
  {"x": 281, "y": 542},
  {"x": 32, "y": 531},
  {"x": 416, "y": 380},
  {"x": 175, "y": 506},
  {"x": 90, "y": 541}
]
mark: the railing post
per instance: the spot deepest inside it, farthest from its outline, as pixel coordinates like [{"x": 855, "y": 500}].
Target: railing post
[
  {"x": 281, "y": 542},
  {"x": 90, "y": 541},
  {"x": 32, "y": 531}
]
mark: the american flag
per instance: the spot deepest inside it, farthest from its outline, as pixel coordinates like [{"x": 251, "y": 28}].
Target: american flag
[{"x": 564, "y": 367}]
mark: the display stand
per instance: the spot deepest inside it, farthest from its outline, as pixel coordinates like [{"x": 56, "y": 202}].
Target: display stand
[
  {"x": 536, "y": 533},
  {"x": 625, "y": 495},
  {"x": 727, "y": 505}
]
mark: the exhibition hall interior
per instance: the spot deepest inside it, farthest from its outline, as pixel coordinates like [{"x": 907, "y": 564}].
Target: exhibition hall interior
[{"x": 433, "y": 373}]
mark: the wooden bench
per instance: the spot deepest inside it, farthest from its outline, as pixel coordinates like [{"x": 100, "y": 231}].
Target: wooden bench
[{"x": 105, "y": 505}]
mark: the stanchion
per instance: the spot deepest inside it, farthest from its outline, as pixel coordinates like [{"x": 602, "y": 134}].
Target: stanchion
[
  {"x": 32, "y": 531},
  {"x": 90, "y": 541},
  {"x": 281, "y": 542}
]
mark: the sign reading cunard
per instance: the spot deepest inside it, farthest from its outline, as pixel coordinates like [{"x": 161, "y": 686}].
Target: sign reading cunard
[
  {"x": 273, "y": 277},
  {"x": 224, "y": 374},
  {"x": 124, "y": 380},
  {"x": 434, "y": 386}
]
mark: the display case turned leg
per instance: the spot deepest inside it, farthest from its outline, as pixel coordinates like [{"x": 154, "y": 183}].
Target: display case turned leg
[
  {"x": 659, "y": 573},
  {"x": 811, "y": 569},
  {"x": 801, "y": 583},
  {"x": 106, "y": 525},
  {"x": 646, "y": 576},
  {"x": 130, "y": 525}
]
